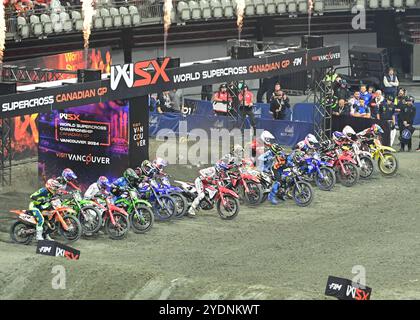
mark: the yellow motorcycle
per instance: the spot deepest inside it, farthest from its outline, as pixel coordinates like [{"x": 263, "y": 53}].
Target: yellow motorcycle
[{"x": 387, "y": 161}]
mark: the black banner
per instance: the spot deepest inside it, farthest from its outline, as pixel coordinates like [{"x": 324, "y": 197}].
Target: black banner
[
  {"x": 133, "y": 80},
  {"x": 359, "y": 124},
  {"x": 56, "y": 249},
  {"x": 344, "y": 289},
  {"x": 139, "y": 130}
]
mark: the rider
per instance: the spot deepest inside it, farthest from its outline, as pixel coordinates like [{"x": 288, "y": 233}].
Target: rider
[
  {"x": 41, "y": 201},
  {"x": 273, "y": 160},
  {"x": 308, "y": 144},
  {"x": 130, "y": 179},
  {"x": 67, "y": 177},
  {"x": 98, "y": 188},
  {"x": 206, "y": 177}
]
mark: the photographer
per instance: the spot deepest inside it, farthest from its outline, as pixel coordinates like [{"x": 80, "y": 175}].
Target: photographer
[{"x": 278, "y": 103}]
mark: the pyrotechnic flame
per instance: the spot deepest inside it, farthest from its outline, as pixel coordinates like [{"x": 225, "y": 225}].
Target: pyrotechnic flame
[
  {"x": 240, "y": 10},
  {"x": 167, "y": 11},
  {"x": 2, "y": 32},
  {"x": 88, "y": 12}
]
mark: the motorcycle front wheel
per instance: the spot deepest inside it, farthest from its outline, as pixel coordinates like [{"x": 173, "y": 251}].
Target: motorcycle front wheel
[
  {"x": 180, "y": 203},
  {"x": 91, "y": 220},
  {"x": 119, "y": 230},
  {"x": 74, "y": 231},
  {"x": 255, "y": 194},
  {"x": 167, "y": 209},
  {"x": 327, "y": 182},
  {"x": 302, "y": 193},
  {"x": 351, "y": 175},
  {"x": 388, "y": 165},
  {"x": 366, "y": 167},
  {"x": 143, "y": 220},
  {"x": 230, "y": 209}
]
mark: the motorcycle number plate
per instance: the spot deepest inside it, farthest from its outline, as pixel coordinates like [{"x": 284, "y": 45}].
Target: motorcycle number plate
[
  {"x": 77, "y": 197},
  {"x": 212, "y": 193},
  {"x": 56, "y": 203},
  {"x": 27, "y": 218}
]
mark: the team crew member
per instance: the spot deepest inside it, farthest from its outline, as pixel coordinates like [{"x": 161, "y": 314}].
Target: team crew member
[
  {"x": 246, "y": 99},
  {"x": 361, "y": 110},
  {"x": 375, "y": 104},
  {"x": 342, "y": 109},
  {"x": 405, "y": 123},
  {"x": 365, "y": 94},
  {"x": 387, "y": 113},
  {"x": 222, "y": 95}
]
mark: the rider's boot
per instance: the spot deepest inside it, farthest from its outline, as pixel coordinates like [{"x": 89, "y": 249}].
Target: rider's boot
[
  {"x": 39, "y": 230},
  {"x": 47, "y": 237},
  {"x": 191, "y": 211},
  {"x": 273, "y": 193}
]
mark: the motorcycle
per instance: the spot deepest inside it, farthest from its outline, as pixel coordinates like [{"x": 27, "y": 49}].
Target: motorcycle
[
  {"x": 89, "y": 216},
  {"x": 344, "y": 165},
  {"x": 139, "y": 211},
  {"x": 314, "y": 169},
  {"x": 295, "y": 188},
  {"x": 60, "y": 218},
  {"x": 163, "y": 205},
  {"x": 245, "y": 184},
  {"x": 387, "y": 161},
  {"x": 176, "y": 194},
  {"x": 115, "y": 220},
  {"x": 226, "y": 200}
]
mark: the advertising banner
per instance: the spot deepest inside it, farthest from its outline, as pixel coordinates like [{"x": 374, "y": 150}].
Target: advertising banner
[
  {"x": 92, "y": 140},
  {"x": 344, "y": 289},
  {"x": 139, "y": 130},
  {"x": 25, "y": 135},
  {"x": 146, "y": 77}
]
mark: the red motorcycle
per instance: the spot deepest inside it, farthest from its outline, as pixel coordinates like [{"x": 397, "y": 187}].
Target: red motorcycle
[
  {"x": 246, "y": 185},
  {"x": 226, "y": 200},
  {"x": 344, "y": 165},
  {"x": 115, "y": 220}
]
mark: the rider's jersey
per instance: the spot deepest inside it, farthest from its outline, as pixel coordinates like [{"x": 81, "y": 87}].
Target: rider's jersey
[
  {"x": 302, "y": 146},
  {"x": 41, "y": 198},
  {"x": 119, "y": 185},
  {"x": 94, "y": 191}
]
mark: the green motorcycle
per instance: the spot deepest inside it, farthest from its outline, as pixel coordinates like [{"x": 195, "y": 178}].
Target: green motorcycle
[
  {"x": 139, "y": 211},
  {"x": 86, "y": 212}
]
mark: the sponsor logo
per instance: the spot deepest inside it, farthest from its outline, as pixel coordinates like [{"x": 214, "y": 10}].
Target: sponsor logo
[
  {"x": 344, "y": 289},
  {"x": 335, "y": 286},
  {"x": 56, "y": 249},
  {"x": 135, "y": 75},
  {"x": 268, "y": 67},
  {"x": 80, "y": 95},
  {"x": 327, "y": 57},
  {"x": 209, "y": 74},
  {"x": 25, "y": 104},
  {"x": 357, "y": 293},
  {"x": 87, "y": 159},
  {"x": 45, "y": 249},
  {"x": 59, "y": 252},
  {"x": 70, "y": 116}
]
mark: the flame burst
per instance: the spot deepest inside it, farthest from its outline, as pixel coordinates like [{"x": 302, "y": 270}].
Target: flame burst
[
  {"x": 2, "y": 32},
  {"x": 240, "y": 11},
  {"x": 167, "y": 11},
  {"x": 88, "y": 12}
]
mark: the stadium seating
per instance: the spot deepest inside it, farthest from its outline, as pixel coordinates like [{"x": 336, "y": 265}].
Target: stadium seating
[
  {"x": 216, "y": 8},
  {"x": 270, "y": 7},
  {"x": 398, "y": 4},
  {"x": 126, "y": 17},
  {"x": 67, "y": 23},
  {"x": 56, "y": 23},
  {"x": 116, "y": 17},
  {"x": 374, "y": 4},
  {"x": 46, "y": 22},
  {"x": 135, "y": 16},
  {"x": 259, "y": 7},
  {"x": 291, "y": 6},
  {"x": 36, "y": 26},
  {"x": 195, "y": 10},
  {"x": 108, "y": 21},
  {"x": 411, "y": 3},
  {"x": 205, "y": 9},
  {"x": 227, "y": 8},
  {"x": 249, "y": 8},
  {"x": 184, "y": 11},
  {"x": 386, "y": 4},
  {"x": 77, "y": 20},
  {"x": 302, "y": 7},
  {"x": 281, "y": 6}
]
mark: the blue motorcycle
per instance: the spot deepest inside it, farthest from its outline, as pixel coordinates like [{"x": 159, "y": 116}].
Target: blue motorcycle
[
  {"x": 163, "y": 204},
  {"x": 314, "y": 169},
  {"x": 176, "y": 193}
]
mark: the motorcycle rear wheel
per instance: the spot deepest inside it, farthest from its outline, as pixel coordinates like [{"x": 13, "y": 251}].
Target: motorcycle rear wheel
[{"x": 18, "y": 227}]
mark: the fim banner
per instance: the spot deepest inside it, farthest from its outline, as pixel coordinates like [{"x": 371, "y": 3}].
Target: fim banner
[
  {"x": 56, "y": 249},
  {"x": 344, "y": 289}
]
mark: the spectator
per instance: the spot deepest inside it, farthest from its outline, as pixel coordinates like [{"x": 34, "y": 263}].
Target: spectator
[
  {"x": 400, "y": 98},
  {"x": 176, "y": 100},
  {"x": 365, "y": 94},
  {"x": 165, "y": 104},
  {"x": 342, "y": 91},
  {"x": 279, "y": 102},
  {"x": 391, "y": 83},
  {"x": 246, "y": 99},
  {"x": 375, "y": 103},
  {"x": 405, "y": 123},
  {"x": 41, "y": 4},
  {"x": 355, "y": 100},
  {"x": 387, "y": 113},
  {"x": 342, "y": 109},
  {"x": 361, "y": 110}
]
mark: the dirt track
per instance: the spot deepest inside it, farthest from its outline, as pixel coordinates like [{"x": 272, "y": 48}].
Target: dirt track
[{"x": 282, "y": 252}]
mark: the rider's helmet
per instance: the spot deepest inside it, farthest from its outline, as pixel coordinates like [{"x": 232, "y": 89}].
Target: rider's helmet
[
  {"x": 131, "y": 176},
  {"x": 376, "y": 129},
  {"x": 238, "y": 151},
  {"x": 146, "y": 167},
  {"x": 208, "y": 173},
  {"x": 103, "y": 182},
  {"x": 326, "y": 144},
  {"x": 160, "y": 163},
  {"x": 220, "y": 165},
  {"x": 348, "y": 131},
  {"x": 337, "y": 135},
  {"x": 53, "y": 186},
  {"x": 298, "y": 156},
  {"x": 311, "y": 141},
  {"x": 276, "y": 149},
  {"x": 267, "y": 138},
  {"x": 68, "y": 175}
]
